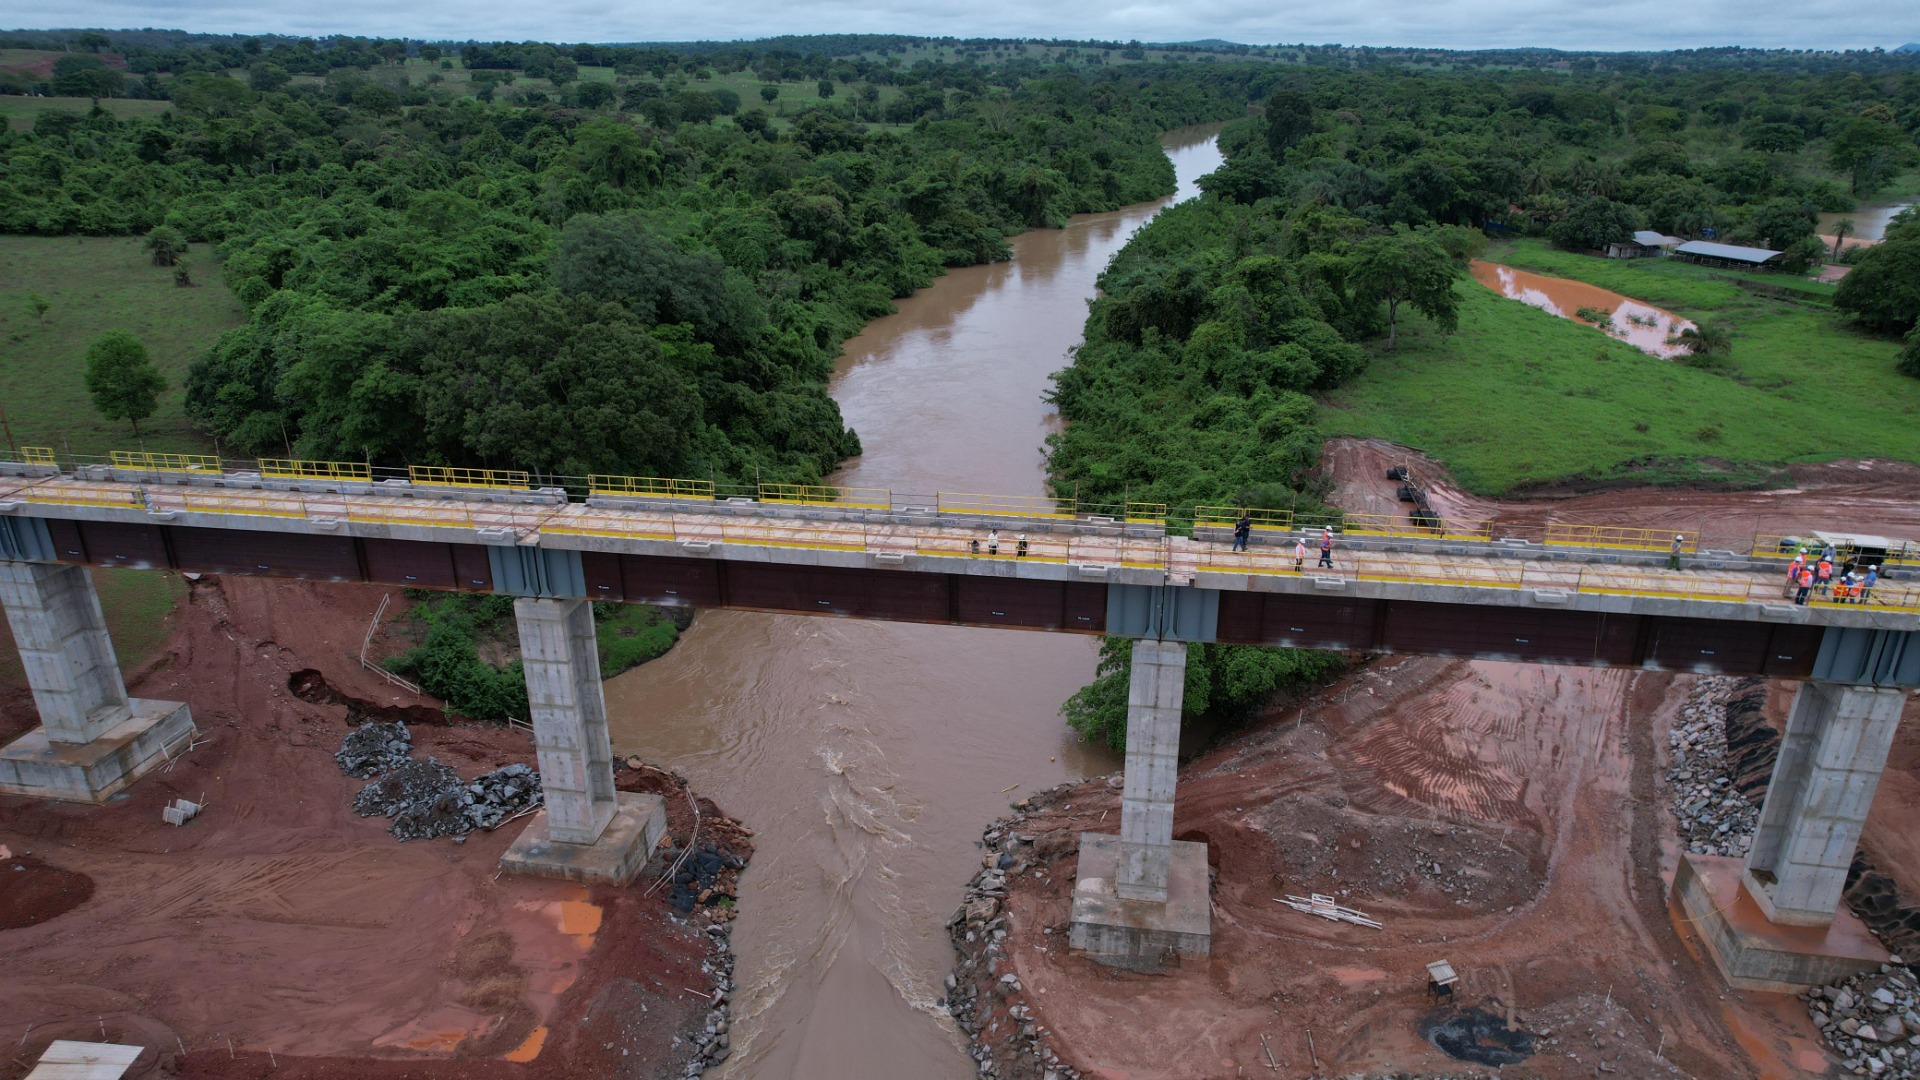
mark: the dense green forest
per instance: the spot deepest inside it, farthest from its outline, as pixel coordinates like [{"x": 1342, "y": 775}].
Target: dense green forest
[{"x": 575, "y": 290}]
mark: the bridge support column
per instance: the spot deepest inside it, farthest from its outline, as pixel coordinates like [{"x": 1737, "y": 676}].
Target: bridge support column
[
  {"x": 588, "y": 831},
  {"x": 93, "y": 740},
  {"x": 1141, "y": 897},
  {"x": 1780, "y": 924}
]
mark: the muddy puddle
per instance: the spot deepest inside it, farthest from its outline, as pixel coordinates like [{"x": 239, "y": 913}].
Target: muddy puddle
[{"x": 1640, "y": 325}]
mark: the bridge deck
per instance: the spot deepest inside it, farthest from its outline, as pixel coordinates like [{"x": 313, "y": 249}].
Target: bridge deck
[{"x": 1180, "y": 558}]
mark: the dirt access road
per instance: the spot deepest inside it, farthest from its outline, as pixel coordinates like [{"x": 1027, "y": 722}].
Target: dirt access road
[
  {"x": 1509, "y": 818},
  {"x": 278, "y": 934}
]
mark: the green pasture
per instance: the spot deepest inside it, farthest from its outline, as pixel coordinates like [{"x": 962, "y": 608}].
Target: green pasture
[
  {"x": 1519, "y": 397},
  {"x": 94, "y": 284}
]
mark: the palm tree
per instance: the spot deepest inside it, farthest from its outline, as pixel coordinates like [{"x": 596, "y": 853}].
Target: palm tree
[
  {"x": 1706, "y": 340},
  {"x": 1840, "y": 230}
]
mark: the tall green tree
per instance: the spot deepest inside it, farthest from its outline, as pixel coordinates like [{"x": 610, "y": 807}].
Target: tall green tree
[
  {"x": 1869, "y": 150},
  {"x": 1289, "y": 117},
  {"x": 1410, "y": 268},
  {"x": 121, "y": 378}
]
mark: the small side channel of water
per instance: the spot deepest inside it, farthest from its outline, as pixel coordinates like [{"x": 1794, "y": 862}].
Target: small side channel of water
[{"x": 1642, "y": 326}]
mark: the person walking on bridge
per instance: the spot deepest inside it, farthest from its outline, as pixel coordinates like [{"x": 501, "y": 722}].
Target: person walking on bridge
[
  {"x": 1673, "y": 553},
  {"x": 1867, "y": 583},
  {"x": 1242, "y": 531},
  {"x": 1793, "y": 573},
  {"x": 1326, "y": 548},
  {"x": 1300, "y": 555},
  {"x": 1823, "y": 574},
  {"x": 1805, "y": 585}
]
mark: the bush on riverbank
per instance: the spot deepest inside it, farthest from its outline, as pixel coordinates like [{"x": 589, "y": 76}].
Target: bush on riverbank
[
  {"x": 469, "y": 647},
  {"x": 1223, "y": 681}
]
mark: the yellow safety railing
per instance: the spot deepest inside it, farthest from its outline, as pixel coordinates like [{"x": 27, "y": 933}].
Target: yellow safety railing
[
  {"x": 1139, "y": 513},
  {"x": 197, "y": 464},
  {"x": 649, "y": 487},
  {"x": 296, "y": 469},
  {"x": 1281, "y": 520},
  {"x": 1768, "y": 546},
  {"x": 1026, "y": 506},
  {"x": 1442, "y": 528},
  {"x": 36, "y": 455},
  {"x": 79, "y": 497},
  {"x": 1607, "y": 536},
  {"x": 862, "y": 498},
  {"x": 448, "y": 476},
  {"x": 254, "y": 505}
]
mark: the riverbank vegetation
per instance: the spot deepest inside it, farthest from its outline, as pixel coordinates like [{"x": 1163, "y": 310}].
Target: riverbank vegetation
[{"x": 466, "y": 648}]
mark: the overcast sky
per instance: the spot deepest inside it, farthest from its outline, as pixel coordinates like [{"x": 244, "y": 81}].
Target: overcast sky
[{"x": 1463, "y": 24}]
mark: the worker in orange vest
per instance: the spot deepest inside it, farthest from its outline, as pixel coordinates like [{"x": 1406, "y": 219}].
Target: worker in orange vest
[
  {"x": 1793, "y": 572},
  {"x": 1823, "y": 574},
  {"x": 1806, "y": 585}
]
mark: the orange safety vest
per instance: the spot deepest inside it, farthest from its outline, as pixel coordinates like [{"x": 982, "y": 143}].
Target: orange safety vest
[
  {"x": 1826, "y": 570},
  {"x": 1793, "y": 568},
  {"x": 1806, "y": 578}
]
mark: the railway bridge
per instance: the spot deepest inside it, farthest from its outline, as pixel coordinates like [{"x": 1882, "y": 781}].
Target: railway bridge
[{"x": 1576, "y": 596}]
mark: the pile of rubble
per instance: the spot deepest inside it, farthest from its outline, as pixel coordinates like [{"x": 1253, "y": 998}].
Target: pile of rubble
[
  {"x": 502, "y": 795},
  {"x": 427, "y": 799},
  {"x": 372, "y": 749},
  {"x": 716, "y": 1044},
  {"x": 986, "y": 1002},
  {"x": 698, "y": 881},
  {"x": 1715, "y": 818},
  {"x": 1871, "y": 1022}
]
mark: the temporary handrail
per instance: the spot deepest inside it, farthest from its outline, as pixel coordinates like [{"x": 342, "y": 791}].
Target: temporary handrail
[
  {"x": 454, "y": 476},
  {"x": 649, "y": 487},
  {"x": 142, "y": 461},
  {"x": 860, "y": 498},
  {"x": 1277, "y": 520},
  {"x": 1607, "y": 536},
  {"x": 298, "y": 469}
]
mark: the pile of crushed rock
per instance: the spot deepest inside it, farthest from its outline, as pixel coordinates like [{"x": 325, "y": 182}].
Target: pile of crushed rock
[
  {"x": 372, "y": 749},
  {"x": 1870, "y": 1021},
  {"x": 1715, "y": 817},
  {"x": 427, "y": 799}
]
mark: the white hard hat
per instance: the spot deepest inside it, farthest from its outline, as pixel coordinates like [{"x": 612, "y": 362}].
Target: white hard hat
[{"x": 1678, "y": 536}]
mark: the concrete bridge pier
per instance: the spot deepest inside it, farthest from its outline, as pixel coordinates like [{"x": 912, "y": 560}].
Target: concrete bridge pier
[
  {"x": 1142, "y": 897},
  {"x": 588, "y": 831},
  {"x": 93, "y": 740},
  {"x": 1777, "y": 923}
]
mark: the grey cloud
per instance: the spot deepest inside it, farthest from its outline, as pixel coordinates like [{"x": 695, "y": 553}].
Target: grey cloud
[{"x": 1457, "y": 24}]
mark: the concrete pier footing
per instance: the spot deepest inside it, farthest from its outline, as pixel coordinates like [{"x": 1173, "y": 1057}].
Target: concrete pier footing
[
  {"x": 93, "y": 740},
  {"x": 1140, "y": 897},
  {"x": 1755, "y": 953},
  {"x": 588, "y": 831}
]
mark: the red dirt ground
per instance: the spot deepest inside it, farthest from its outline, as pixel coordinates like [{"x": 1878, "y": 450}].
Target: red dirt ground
[
  {"x": 1537, "y": 791},
  {"x": 280, "y": 923}
]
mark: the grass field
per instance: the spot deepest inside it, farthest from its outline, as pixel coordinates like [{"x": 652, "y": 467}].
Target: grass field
[
  {"x": 138, "y": 605},
  {"x": 19, "y": 112},
  {"x": 96, "y": 284},
  {"x": 1520, "y": 397}
]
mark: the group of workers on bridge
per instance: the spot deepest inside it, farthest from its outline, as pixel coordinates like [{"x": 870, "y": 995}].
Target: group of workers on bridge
[{"x": 1853, "y": 584}]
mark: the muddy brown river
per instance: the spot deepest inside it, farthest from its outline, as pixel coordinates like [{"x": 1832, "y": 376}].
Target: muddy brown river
[{"x": 868, "y": 756}]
